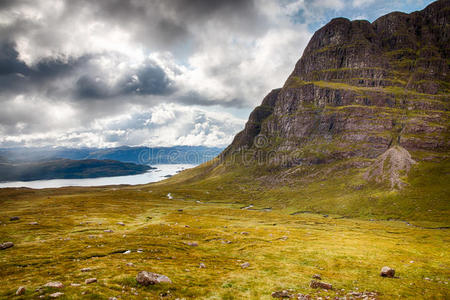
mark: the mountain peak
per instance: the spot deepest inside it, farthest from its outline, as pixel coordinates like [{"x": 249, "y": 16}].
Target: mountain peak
[{"x": 359, "y": 89}]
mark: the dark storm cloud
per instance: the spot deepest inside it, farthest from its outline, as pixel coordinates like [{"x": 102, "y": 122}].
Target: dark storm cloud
[
  {"x": 168, "y": 24},
  {"x": 150, "y": 79},
  {"x": 17, "y": 77}
]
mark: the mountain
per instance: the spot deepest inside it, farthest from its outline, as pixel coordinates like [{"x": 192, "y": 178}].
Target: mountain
[
  {"x": 138, "y": 155},
  {"x": 68, "y": 169},
  {"x": 360, "y": 127},
  {"x": 359, "y": 89}
]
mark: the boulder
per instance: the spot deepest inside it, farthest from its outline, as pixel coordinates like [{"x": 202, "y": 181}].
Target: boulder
[
  {"x": 54, "y": 284},
  {"x": 90, "y": 280},
  {"x": 6, "y": 245},
  {"x": 282, "y": 294},
  {"x": 387, "y": 272},
  {"x": 320, "y": 285},
  {"x": 56, "y": 295},
  {"x": 20, "y": 291},
  {"x": 149, "y": 278}
]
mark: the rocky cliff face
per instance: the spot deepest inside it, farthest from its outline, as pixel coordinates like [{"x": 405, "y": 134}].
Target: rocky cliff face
[{"x": 360, "y": 89}]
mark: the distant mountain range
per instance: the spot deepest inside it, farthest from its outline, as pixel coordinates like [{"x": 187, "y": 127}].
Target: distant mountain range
[
  {"x": 137, "y": 155},
  {"x": 68, "y": 169}
]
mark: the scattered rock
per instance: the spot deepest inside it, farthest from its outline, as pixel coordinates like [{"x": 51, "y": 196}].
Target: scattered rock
[
  {"x": 14, "y": 218},
  {"x": 282, "y": 294},
  {"x": 202, "y": 266},
  {"x": 180, "y": 210},
  {"x": 75, "y": 284},
  {"x": 90, "y": 280},
  {"x": 317, "y": 276},
  {"x": 226, "y": 242},
  {"x": 387, "y": 272},
  {"x": 149, "y": 278},
  {"x": 20, "y": 291},
  {"x": 108, "y": 230},
  {"x": 130, "y": 265},
  {"x": 320, "y": 285},
  {"x": 56, "y": 295},
  {"x": 121, "y": 223},
  {"x": 193, "y": 244},
  {"x": 33, "y": 223},
  {"x": 6, "y": 245},
  {"x": 112, "y": 298},
  {"x": 54, "y": 284},
  {"x": 86, "y": 270},
  {"x": 245, "y": 265},
  {"x": 245, "y": 233},
  {"x": 303, "y": 297},
  {"x": 363, "y": 295}
]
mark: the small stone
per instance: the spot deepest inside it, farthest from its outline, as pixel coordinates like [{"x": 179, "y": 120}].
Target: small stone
[
  {"x": 112, "y": 298},
  {"x": 245, "y": 233},
  {"x": 281, "y": 294},
  {"x": 56, "y": 295},
  {"x": 121, "y": 223},
  {"x": 245, "y": 265},
  {"x": 317, "y": 276},
  {"x": 54, "y": 284},
  {"x": 75, "y": 284},
  {"x": 202, "y": 266},
  {"x": 86, "y": 270},
  {"x": 149, "y": 278},
  {"x": 193, "y": 244},
  {"x": 387, "y": 272},
  {"x": 90, "y": 280},
  {"x": 108, "y": 230},
  {"x": 33, "y": 223},
  {"x": 180, "y": 210},
  {"x": 6, "y": 245},
  {"x": 130, "y": 265},
  {"x": 20, "y": 291},
  {"x": 320, "y": 285},
  {"x": 14, "y": 218}
]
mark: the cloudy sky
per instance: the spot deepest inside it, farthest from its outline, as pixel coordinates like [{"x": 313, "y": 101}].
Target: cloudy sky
[{"x": 106, "y": 73}]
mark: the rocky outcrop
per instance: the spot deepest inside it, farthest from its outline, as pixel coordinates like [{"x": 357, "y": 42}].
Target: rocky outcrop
[{"x": 359, "y": 90}]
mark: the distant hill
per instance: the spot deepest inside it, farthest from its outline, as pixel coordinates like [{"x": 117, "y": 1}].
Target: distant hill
[
  {"x": 138, "y": 155},
  {"x": 68, "y": 169}
]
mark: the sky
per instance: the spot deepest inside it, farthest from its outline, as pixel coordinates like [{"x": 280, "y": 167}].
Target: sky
[{"x": 107, "y": 73}]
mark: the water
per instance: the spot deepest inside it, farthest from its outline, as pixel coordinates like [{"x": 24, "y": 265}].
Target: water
[{"x": 151, "y": 176}]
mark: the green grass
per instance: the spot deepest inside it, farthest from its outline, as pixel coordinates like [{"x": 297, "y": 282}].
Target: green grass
[{"x": 348, "y": 248}]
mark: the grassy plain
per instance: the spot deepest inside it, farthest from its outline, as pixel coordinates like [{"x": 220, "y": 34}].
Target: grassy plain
[{"x": 285, "y": 245}]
